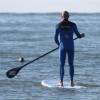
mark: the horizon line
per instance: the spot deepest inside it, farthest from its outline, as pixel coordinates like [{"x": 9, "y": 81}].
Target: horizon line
[{"x": 45, "y": 12}]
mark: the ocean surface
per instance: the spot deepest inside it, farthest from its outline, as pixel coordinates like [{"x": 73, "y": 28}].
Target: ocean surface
[{"x": 29, "y": 35}]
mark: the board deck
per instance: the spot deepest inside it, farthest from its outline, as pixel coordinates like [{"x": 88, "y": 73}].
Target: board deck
[{"x": 55, "y": 84}]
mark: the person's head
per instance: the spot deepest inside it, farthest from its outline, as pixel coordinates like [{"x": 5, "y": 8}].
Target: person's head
[{"x": 65, "y": 15}]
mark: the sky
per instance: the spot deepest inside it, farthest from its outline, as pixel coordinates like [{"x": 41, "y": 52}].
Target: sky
[{"x": 49, "y": 5}]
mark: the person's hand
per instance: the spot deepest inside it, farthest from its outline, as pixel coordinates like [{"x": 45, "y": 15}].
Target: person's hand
[{"x": 82, "y": 35}]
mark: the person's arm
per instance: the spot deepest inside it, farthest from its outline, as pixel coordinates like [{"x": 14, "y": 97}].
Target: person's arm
[
  {"x": 56, "y": 36},
  {"x": 76, "y": 31}
]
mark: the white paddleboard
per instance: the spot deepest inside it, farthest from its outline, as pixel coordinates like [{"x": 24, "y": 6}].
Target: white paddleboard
[{"x": 55, "y": 84}]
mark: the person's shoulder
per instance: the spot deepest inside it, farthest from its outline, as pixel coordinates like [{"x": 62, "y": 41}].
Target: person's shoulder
[
  {"x": 72, "y": 23},
  {"x": 58, "y": 24}
]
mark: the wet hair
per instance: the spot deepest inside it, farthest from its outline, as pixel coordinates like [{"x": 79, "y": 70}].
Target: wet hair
[{"x": 65, "y": 15}]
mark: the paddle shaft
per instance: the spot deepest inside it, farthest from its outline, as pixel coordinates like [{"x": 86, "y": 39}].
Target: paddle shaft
[{"x": 41, "y": 56}]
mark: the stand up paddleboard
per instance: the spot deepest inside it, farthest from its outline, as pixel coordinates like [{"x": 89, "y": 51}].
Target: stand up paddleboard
[{"x": 55, "y": 84}]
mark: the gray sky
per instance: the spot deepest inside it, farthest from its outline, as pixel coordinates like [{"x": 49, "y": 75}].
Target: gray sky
[{"x": 49, "y": 5}]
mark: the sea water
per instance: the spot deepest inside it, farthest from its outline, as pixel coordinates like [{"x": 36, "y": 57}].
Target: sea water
[{"x": 29, "y": 35}]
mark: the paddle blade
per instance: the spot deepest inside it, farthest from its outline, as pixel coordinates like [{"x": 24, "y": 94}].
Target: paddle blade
[{"x": 12, "y": 72}]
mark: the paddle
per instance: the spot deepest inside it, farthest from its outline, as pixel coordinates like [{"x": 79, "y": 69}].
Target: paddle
[{"x": 13, "y": 72}]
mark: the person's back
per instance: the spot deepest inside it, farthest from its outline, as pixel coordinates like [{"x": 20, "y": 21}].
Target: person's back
[{"x": 66, "y": 30}]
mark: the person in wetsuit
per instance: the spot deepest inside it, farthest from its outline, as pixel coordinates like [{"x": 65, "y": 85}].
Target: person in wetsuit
[{"x": 65, "y": 30}]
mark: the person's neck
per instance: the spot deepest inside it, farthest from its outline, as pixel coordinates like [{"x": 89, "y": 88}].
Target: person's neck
[{"x": 65, "y": 20}]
